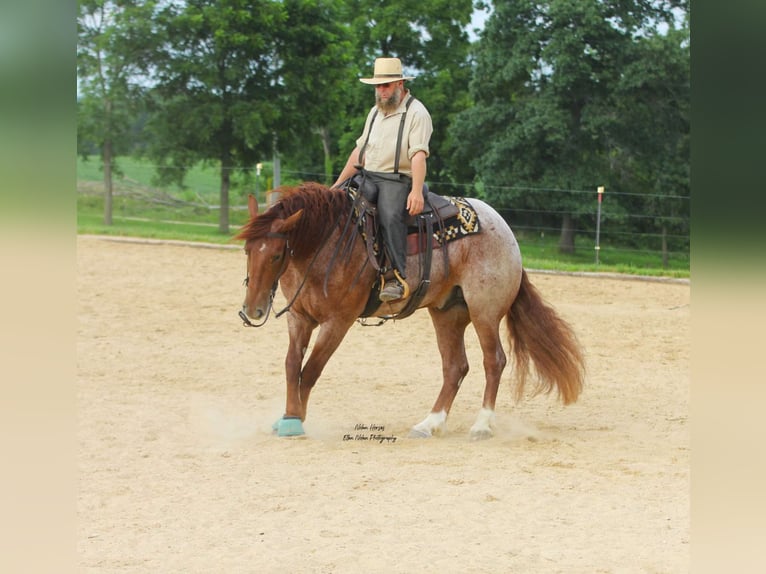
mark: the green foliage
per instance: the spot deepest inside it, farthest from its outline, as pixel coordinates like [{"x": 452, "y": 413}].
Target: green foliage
[
  {"x": 114, "y": 38},
  {"x": 214, "y": 99},
  {"x": 655, "y": 125},
  {"x": 566, "y": 95},
  {"x": 315, "y": 54},
  {"x": 214, "y": 93},
  {"x": 556, "y": 97}
]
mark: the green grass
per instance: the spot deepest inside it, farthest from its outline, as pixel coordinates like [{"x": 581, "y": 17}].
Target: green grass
[
  {"x": 201, "y": 181},
  {"x": 133, "y": 217},
  {"x": 141, "y": 210},
  {"x": 542, "y": 253}
]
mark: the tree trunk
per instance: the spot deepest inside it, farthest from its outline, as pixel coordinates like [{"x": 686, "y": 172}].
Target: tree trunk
[
  {"x": 566, "y": 241},
  {"x": 223, "y": 218},
  {"x": 107, "y": 153},
  {"x": 107, "y": 158},
  {"x": 277, "y": 168},
  {"x": 324, "y": 133}
]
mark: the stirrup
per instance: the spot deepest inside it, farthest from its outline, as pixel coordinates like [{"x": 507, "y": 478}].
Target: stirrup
[
  {"x": 403, "y": 283},
  {"x": 394, "y": 289},
  {"x": 391, "y": 291}
]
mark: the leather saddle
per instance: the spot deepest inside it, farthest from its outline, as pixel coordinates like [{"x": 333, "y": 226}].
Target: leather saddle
[{"x": 421, "y": 239}]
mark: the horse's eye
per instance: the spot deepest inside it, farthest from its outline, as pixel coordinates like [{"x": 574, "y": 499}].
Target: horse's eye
[{"x": 275, "y": 258}]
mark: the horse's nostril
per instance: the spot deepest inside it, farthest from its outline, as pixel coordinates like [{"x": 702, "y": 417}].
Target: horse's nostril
[{"x": 252, "y": 313}]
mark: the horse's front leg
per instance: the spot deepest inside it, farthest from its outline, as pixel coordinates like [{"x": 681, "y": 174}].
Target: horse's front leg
[
  {"x": 328, "y": 340},
  {"x": 450, "y": 328},
  {"x": 302, "y": 378},
  {"x": 291, "y": 423}
]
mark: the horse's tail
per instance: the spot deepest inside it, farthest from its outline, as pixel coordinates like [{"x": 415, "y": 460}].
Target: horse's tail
[{"x": 538, "y": 333}]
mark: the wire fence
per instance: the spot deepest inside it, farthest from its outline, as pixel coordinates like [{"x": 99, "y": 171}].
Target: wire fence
[
  {"x": 619, "y": 227},
  {"x": 664, "y": 233}
]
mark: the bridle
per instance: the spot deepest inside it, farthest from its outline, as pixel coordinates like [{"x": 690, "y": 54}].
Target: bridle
[{"x": 285, "y": 252}]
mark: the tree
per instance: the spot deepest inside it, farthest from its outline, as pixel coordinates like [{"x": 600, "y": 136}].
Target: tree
[
  {"x": 314, "y": 56},
  {"x": 215, "y": 94},
  {"x": 113, "y": 39},
  {"x": 655, "y": 123},
  {"x": 546, "y": 111}
]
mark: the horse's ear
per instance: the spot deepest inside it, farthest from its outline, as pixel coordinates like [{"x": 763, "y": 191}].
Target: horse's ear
[
  {"x": 289, "y": 223},
  {"x": 252, "y": 205}
]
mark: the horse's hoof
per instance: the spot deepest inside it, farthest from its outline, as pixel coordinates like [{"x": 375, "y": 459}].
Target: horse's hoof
[
  {"x": 289, "y": 426},
  {"x": 421, "y": 432},
  {"x": 481, "y": 434}
]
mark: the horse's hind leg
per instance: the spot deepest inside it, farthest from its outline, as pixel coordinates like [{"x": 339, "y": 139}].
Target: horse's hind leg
[
  {"x": 450, "y": 328},
  {"x": 494, "y": 364}
]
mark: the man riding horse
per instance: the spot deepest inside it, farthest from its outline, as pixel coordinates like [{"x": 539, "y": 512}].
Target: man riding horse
[{"x": 391, "y": 154}]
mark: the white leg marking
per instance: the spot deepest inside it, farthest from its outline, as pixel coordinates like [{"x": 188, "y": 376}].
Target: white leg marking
[
  {"x": 484, "y": 425},
  {"x": 434, "y": 423}
]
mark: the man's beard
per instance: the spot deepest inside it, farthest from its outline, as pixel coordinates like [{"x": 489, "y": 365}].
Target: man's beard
[{"x": 393, "y": 102}]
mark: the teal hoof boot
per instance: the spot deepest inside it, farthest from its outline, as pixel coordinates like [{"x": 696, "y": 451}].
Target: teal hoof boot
[{"x": 289, "y": 426}]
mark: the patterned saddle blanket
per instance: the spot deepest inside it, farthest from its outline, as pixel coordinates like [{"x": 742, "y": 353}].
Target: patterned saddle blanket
[{"x": 454, "y": 219}]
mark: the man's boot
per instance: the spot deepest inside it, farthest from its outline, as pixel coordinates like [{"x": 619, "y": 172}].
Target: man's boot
[{"x": 393, "y": 289}]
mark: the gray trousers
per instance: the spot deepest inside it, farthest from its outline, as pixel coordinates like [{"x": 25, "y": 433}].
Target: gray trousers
[{"x": 392, "y": 192}]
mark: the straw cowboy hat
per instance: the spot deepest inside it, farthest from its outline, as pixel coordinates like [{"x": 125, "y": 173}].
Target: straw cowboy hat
[{"x": 386, "y": 70}]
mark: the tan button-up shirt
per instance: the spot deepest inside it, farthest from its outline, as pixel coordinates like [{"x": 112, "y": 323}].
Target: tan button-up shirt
[{"x": 380, "y": 153}]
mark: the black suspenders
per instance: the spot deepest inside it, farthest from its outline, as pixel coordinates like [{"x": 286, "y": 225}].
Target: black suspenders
[
  {"x": 360, "y": 160},
  {"x": 401, "y": 131}
]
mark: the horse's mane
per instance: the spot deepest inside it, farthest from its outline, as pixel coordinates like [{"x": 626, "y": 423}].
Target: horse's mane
[{"x": 322, "y": 207}]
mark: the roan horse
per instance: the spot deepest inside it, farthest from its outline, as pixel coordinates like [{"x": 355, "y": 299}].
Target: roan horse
[{"x": 300, "y": 243}]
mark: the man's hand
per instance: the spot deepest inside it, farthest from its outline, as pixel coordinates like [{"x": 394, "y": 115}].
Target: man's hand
[{"x": 415, "y": 202}]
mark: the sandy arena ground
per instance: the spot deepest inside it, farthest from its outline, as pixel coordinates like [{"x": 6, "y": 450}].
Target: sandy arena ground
[{"x": 179, "y": 471}]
